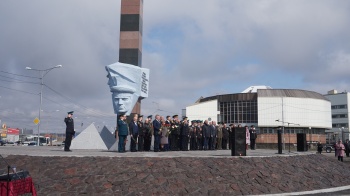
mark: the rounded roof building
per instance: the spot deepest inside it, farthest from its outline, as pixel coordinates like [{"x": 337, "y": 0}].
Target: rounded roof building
[{"x": 263, "y": 106}]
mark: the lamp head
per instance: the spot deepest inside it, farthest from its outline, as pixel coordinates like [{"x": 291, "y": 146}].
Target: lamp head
[
  {"x": 58, "y": 66},
  {"x": 28, "y": 68}
]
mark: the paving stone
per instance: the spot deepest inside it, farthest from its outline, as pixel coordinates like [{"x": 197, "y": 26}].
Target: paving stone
[{"x": 181, "y": 175}]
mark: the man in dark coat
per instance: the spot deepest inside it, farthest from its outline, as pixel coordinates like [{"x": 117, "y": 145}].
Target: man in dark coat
[
  {"x": 134, "y": 133},
  {"x": 253, "y": 137},
  {"x": 206, "y": 134},
  {"x": 193, "y": 135},
  {"x": 230, "y": 135},
  {"x": 174, "y": 136},
  {"x": 141, "y": 133},
  {"x": 148, "y": 135},
  {"x": 213, "y": 134},
  {"x": 199, "y": 135},
  {"x": 168, "y": 124},
  {"x": 156, "y": 129},
  {"x": 69, "y": 131},
  {"x": 225, "y": 136},
  {"x": 122, "y": 132},
  {"x": 185, "y": 132}
]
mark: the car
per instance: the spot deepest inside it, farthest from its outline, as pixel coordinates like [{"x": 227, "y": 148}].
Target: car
[
  {"x": 328, "y": 148},
  {"x": 10, "y": 144},
  {"x": 33, "y": 143},
  {"x": 2, "y": 143}
]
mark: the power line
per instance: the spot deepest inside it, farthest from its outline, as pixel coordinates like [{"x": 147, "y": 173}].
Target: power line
[
  {"x": 19, "y": 75},
  {"x": 78, "y": 105},
  {"x": 19, "y": 81},
  {"x": 18, "y": 90}
]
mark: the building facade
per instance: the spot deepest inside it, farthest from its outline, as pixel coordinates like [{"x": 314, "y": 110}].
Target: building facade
[
  {"x": 297, "y": 111},
  {"x": 340, "y": 114}
]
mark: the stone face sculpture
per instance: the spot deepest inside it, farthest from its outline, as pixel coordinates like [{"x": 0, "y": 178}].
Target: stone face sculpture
[{"x": 127, "y": 83}]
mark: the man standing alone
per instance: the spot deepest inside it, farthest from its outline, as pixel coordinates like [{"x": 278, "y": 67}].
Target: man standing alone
[
  {"x": 69, "y": 131},
  {"x": 253, "y": 137}
]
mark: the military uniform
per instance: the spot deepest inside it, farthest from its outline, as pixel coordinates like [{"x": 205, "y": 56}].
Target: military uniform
[
  {"x": 253, "y": 137},
  {"x": 225, "y": 136},
  {"x": 185, "y": 131},
  {"x": 69, "y": 131},
  {"x": 147, "y": 136},
  {"x": 134, "y": 134},
  {"x": 173, "y": 136},
  {"x": 193, "y": 137},
  {"x": 122, "y": 133},
  {"x": 200, "y": 140},
  {"x": 141, "y": 136},
  {"x": 219, "y": 139}
]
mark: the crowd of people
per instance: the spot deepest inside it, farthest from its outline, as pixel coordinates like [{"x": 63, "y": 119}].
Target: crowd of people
[{"x": 173, "y": 134}]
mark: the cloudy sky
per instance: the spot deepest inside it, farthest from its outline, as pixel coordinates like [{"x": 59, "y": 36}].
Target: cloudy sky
[{"x": 193, "y": 48}]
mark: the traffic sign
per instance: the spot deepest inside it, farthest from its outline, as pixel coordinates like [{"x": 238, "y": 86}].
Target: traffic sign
[{"x": 36, "y": 121}]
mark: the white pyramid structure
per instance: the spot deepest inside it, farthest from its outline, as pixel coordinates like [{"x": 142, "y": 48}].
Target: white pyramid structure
[
  {"x": 89, "y": 139},
  {"x": 114, "y": 147},
  {"x": 107, "y": 137}
]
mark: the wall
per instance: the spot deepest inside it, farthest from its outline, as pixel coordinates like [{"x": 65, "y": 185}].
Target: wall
[
  {"x": 272, "y": 138},
  {"x": 203, "y": 111},
  {"x": 339, "y": 99},
  {"x": 307, "y": 112}
]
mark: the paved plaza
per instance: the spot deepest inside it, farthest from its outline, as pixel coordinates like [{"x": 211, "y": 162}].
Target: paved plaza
[
  {"x": 93, "y": 172},
  {"x": 58, "y": 151}
]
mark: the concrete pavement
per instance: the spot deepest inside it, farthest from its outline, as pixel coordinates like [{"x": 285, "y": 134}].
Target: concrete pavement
[
  {"x": 49, "y": 151},
  {"x": 94, "y": 172}
]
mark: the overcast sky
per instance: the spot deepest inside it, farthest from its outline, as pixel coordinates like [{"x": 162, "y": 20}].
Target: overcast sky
[{"x": 193, "y": 48}]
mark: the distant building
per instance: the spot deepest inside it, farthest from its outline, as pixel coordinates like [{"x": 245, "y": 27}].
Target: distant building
[
  {"x": 340, "y": 113},
  {"x": 266, "y": 108}
]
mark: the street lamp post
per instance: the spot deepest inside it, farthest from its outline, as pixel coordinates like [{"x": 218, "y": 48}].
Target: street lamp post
[
  {"x": 42, "y": 73},
  {"x": 289, "y": 123}
]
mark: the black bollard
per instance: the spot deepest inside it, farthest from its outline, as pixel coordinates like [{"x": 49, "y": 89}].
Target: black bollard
[{"x": 279, "y": 133}]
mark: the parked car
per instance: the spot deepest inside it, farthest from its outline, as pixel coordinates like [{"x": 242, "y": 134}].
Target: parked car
[
  {"x": 10, "y": 144},
  {"x": 328, "y": 148},
  {"x": 32, "y": 143},
  {"x": 2, "y": 143}
]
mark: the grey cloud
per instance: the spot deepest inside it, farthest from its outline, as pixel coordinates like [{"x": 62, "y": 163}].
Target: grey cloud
[{"x": 208, "y": 43}]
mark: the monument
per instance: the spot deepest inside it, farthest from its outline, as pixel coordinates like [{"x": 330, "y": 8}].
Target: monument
[
  {"x": 128, "y": 82},
  {"x": 130, "y": 42}
]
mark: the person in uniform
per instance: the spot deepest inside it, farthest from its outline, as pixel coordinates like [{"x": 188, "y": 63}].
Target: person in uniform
[
  {"x": 174, "y": 133},
  {"x": 253, "y": 137},
  {"x": 200, "y": 140},
  {"x": 134, "y": 133},
  {"x": 140, "y": 145},
  {"x": 206, "y": 134},
  {"x": 69, "y": 131},
  {"x": 122, "y": 132},
  {"x": 225, "y": 136},
  {"x": 168, "y": 124},
  {"x": 213, "y": 133},
  {"x": 193, "y": 135},
  {"x": 156, "y": 129},
  {"x": 219, "y": 139},
  {"x": 185, "y": 132},
  {"x": 232, "y": 129},
  {"x": 148, "y": 135}
]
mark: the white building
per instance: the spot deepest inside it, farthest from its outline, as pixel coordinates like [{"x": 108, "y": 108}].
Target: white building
[
  {"x": 302, "y": 111},
  {"x": 340, "y": 113}
]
